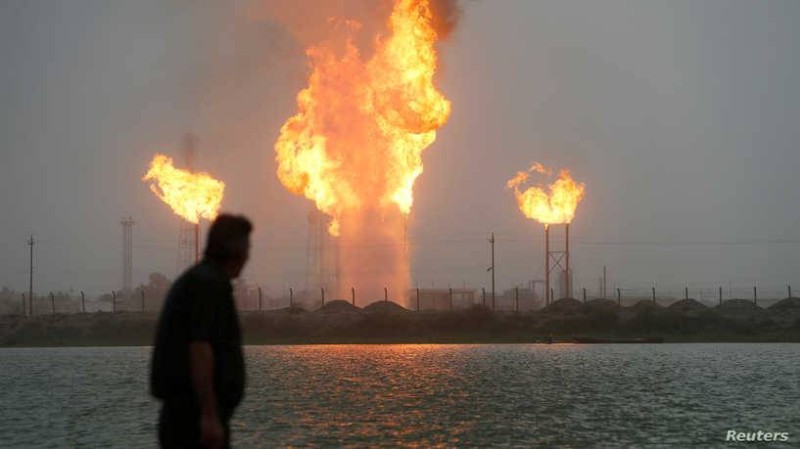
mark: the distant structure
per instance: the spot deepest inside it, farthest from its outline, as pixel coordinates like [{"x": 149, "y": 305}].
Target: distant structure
[
  {"x": 127, "y": 255},
  {"x": 557, "y": 261},
  {"x": 322, "y": 254},
  {"x": 188, "y": 239},
  {"x": 31, "y": 243}
]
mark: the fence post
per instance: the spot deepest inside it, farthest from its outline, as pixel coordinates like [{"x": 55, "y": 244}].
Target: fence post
[
  {"x": 552, "y": 293},
  {"x": 755, "y": 295},
  {"x": 417, "y": 299},
  {"x": 259, "y": 298},
  {"x": 720, "y": 295},
  {"x": 53, "y": 302},
  {"x": 113, "y": 301},
  {"x": 685, "y": 292},
  {"x": 516, "y": 299},
  {"x": 451, "y": 298},
  {"x": 322, "y": 289},
  {"x": 385, "y": 294},
  {"x": 584, "y": 295},
  {"x": 483, "y": 296},
  {"x": 654, "y": 294},
  {"x": 353, "y": 295},
  {"x": 790, "y": 290},
  {"x": 619, "y": 297},
  {"x": 291, "y": 298},
  {"x": 83, "y": 302}
]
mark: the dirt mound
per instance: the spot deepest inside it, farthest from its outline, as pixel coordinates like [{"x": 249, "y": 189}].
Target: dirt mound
[
  {"x": 786, "y": 304},
  {"x": 786, "y": 310},
  {"x": 601, "y": 303},
  {"x": 688, "y": 306},
  {"x": 646, "y": 305},
  {"x": 385, "y": 307},
  {"x": 742, "y": 310},
  {"x": 339, "y": 306},
  {"x": 564, "y": 305},
  {"x": 737, "y": 305}
]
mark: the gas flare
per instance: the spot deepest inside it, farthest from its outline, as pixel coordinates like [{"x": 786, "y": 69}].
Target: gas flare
[
  {"x": 190, "y": 195},
  {"x": 556, "y": 207},
  {"x": 355, "y": 146}
]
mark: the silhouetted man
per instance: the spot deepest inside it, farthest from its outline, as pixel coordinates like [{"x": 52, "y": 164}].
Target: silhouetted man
[{"x": 197, "y": 369}]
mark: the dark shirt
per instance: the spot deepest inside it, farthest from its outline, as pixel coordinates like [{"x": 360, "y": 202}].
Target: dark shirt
[{"x": 199, "y": 308}]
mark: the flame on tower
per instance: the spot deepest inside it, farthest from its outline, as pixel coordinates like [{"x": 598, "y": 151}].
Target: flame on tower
[
  {"x": 192, "y": 196},
  {"x": 355, "y": 146},
  {"x": 556, "y": 204}
]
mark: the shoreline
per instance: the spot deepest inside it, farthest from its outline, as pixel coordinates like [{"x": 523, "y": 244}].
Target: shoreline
[{"x": 563, "y": 322}]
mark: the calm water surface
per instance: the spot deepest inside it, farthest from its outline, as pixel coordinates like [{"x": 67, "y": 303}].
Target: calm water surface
[{"x": 578, "y": 396}]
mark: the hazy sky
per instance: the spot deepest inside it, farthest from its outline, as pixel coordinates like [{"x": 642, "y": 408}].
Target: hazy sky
[{"x": 682, "y": 118}]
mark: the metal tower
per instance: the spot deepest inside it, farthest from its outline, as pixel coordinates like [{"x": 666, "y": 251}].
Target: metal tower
[
  {"x": 188, "y": 234},
  {"x": 556, "y": 260},
  {"x": 127, "y": 255},
  {"x": 322, "y": 254}
]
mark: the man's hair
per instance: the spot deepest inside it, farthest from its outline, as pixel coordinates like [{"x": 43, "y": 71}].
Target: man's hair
[{"x": 227, "y": 237}]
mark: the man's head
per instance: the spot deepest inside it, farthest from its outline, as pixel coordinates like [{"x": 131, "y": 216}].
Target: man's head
[{"x": 228, "y": 243}]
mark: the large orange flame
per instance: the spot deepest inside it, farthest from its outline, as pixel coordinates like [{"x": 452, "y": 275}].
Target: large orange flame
[
  {"x": 355, "y": 146},
  {"x": 190, "y": 195},
  {"x": 556, "y": 207},
  {"x": 358, "y": 137}
]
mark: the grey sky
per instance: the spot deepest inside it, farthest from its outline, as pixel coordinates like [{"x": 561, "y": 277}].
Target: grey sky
[{"x": 680, "y": 116}]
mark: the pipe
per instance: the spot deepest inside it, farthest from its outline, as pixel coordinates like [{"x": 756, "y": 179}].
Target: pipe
[
  {"x": 567, "y": 274},
  {"x": 493, "y": 273},
  {"x": 547, "y": 293}
]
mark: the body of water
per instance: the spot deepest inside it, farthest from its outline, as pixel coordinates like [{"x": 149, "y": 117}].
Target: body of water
[{"x": 526, "y": 395}]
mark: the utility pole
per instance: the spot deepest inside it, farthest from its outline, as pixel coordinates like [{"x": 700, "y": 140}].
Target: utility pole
[
  {"x": 491, "y": 241},
  {"x": 31, "y": 242},
  {"x": 605, "y": 281}
]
